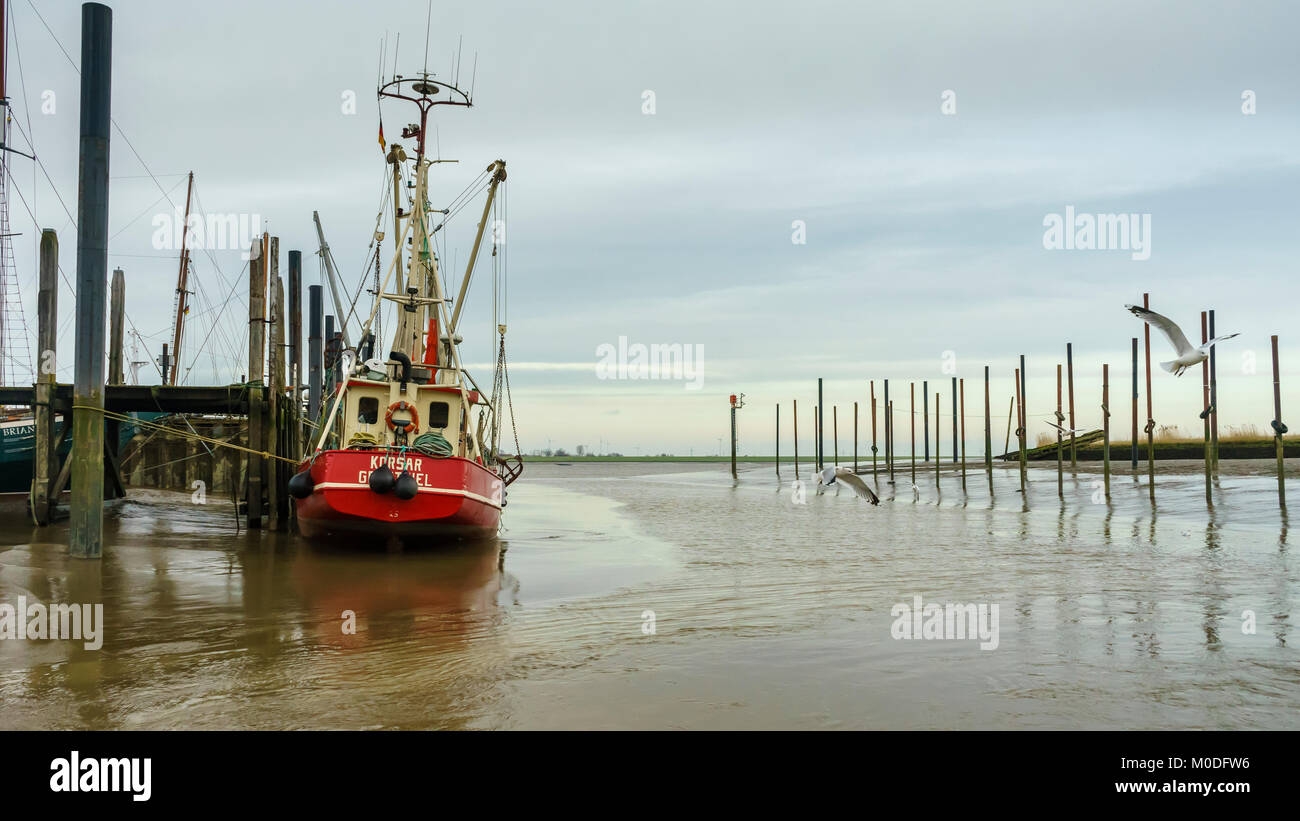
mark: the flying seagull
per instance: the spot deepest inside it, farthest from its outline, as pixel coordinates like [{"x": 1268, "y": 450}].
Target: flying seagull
[
  {"x": 1187, "y": 354},
  {"x": 830, "y": 475}
]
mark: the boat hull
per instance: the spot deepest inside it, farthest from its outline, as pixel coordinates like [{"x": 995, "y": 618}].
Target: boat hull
[{"x": 455, "y": 499}]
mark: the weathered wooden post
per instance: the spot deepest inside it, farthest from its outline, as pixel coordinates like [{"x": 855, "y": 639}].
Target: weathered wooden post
[
  {"x": 1214, "y": 403},
  {"x": 1279, "y": 428},
  {"x": 1105, "y": 426},
  {"x": 315, "y": 351},
  {"x": 938, "y": 439},
  {"x": 816, "y": 436},
  {"x": 855, "y": 438},
  {"x": 734, "y": 475},
  {"x": 1134, "y": 465},
  {"x": 889, "y": 432},
  {"x": 278, "y": 491},
  {"x": 45, "y": 457},
  {"x": 116, "y": 312},
  {"x": 1205, "y": 414},
  {"x": 1023, "y": 435},
  {"x": 954, "y": 420},
  {"x": 256, "y": 361},
  {"x": 819, "y": 412},
  {"x": 988, "y": 432},
  {"x": 1060, "y": 417},
  {"x": 295, "y": 351},
  {"x": 1151, "y": 421},
  {"x": 889, "y": 416},
  {"x": 1069, "y": 366},
  {"x": 1020, "y": 430},
  {"x": 925, "y": 416},
  {"x": 961, "y": 388},
  {"x": 112, "y": 427},
  {"x": 778, "y": 440},
  {"x": 87, "y": 510}
]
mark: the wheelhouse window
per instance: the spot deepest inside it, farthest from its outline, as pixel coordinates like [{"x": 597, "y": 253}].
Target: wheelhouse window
[
  {"x": 438, "y": 414},
  {"x": 368, "y": 410}
]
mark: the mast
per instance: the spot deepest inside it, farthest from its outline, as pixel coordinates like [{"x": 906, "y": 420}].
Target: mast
[
  {"x": 182, "y": 278},
  {"x": 332, "y": 275}
]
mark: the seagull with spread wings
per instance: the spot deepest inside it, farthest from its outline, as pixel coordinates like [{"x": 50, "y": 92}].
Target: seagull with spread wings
[
  {"x": 1187, "y": 354},
  {"x": 831, "y": 475}
]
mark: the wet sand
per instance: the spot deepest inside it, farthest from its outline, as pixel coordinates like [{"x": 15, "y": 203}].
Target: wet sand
[{"x": 767, "y": 612}]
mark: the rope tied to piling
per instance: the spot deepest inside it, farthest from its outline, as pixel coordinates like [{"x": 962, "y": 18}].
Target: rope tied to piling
[
  {"x": 1151, "y": 426},
  {"x": 1278, "y": 426},
  {"x": 121, "y": 417}
]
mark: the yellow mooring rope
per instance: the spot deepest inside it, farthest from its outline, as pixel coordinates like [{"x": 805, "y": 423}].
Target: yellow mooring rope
[{"x": 182, "y": 434}]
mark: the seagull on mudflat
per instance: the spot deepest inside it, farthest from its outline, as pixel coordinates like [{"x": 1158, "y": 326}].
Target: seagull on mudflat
[
  {"x": 1187, "y": 354},
  {"x": 831, "y": 475}
]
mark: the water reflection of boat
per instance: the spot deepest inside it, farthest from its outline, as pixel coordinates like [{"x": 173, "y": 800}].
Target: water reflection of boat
[{"x": 461, "y": 582}]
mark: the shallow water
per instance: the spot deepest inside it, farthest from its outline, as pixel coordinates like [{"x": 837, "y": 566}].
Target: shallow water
[{"x": 767, "y": 613}]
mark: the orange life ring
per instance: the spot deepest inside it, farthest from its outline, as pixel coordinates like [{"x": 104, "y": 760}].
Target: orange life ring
[{"x": 407, "y": 427}]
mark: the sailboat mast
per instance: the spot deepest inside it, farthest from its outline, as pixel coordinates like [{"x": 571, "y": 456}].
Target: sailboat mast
[{"x": 182, "y": 278}]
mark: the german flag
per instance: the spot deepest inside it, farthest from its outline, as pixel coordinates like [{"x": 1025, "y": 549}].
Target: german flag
[{"x": 383, "y": 146}]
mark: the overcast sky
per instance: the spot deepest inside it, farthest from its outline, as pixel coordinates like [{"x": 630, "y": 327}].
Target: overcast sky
[{"x": 924, "y": 229}]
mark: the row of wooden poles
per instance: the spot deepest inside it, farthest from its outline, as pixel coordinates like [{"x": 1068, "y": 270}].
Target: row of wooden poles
[{"x": 1017, "y": 410}]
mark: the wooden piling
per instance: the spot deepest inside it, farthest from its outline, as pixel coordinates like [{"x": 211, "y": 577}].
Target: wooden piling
[
  {"x": 112, "y": 427},
  {"x": 1020, "y": 429},
  {"x": 1151, "y": 422},
  {"x": 1279, "y": 428},
  {"x": 295, "y": 379},
  {"x": 1069, "y": 376},
  {"x": 256, "y": 361},
  {"x": 1134, "y": 465},
  {"x": 925, "y": 416},
  {"x": 45, "y": 458},
  {"x": 1060, "y": 475},
  {"x": 87, "y": 457},
  {"x": 1205, "y": 414},
  {"x": 1214, "y": 403},
  {"x": 889, "y": 432},
  {"x": 1105, "y": 426},
  {"x": 988, "y": 432},
  {"x": 278, "y": 491},
  {"x": 954, "y": 420},
  {"x": 961, "y": 388},
  {"x": 855, "y": 438},
  {"x": 819, "y": 412},
  {"x": 889, "y": 416},
  {"x": 778, "y": 440},
  {"x": 315, "y": 352},
  {"x": 938, "y": 463}
]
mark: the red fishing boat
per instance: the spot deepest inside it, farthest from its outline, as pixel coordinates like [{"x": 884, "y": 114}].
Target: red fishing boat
[{"x": 407, "y": 447}]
